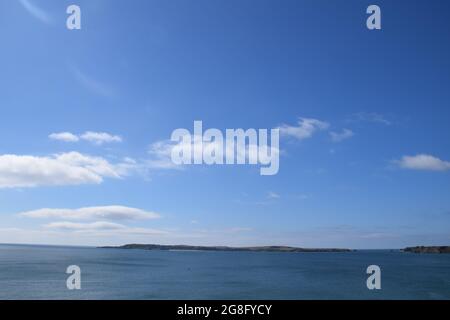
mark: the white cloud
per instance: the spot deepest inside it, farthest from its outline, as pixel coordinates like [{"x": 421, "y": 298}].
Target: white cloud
[
  {"x": 100, "y": 138},
  {"x": 64, "y": 136},
  {"x": 92, "y": 213},
  {"x": 273, "y": 195},
  {"x": 161, "y": 155},
  {"x": 341, "y": 136},
  {"x": 90, "y": 237},
  {"x": 305, "y": 129},
  {"x": 102, "y": 228},
  {"x": 99, "y": 225},
  {"x": 72, "y": 168},
  {"x": 97, "y": 165},
  {"x": 423, "y": 162},
  {"x": 35, "y": 11},
  {"x": 97, "y": 138}
]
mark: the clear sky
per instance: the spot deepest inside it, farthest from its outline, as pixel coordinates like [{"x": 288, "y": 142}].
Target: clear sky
[{"x": 86, "y": 115}]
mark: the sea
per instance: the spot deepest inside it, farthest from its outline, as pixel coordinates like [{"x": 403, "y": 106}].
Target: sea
[{"x": 39, "y": 272}]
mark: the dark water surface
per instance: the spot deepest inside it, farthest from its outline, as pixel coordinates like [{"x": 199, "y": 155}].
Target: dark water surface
[{"x": 38, "y": 272}]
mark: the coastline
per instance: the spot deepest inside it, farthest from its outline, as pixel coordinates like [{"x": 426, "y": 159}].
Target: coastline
[
  {"x": 224, "y": 248},
  {"x": 429, "y": 249}
]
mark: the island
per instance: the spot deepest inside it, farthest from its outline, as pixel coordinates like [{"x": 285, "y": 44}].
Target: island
[
  {"x": 224, "y": 248},
  {"x": 430, "y": 249}
]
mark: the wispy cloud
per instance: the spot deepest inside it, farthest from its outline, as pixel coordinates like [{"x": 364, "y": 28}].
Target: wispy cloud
[
  {"x": 92, "y": 213},
  {"x": 36, "y": 12},
  {"x": 273, "y": 195},
  {"x": 99, "y": 225},
  {"x": 102, "y": 228},
  {"x": 423, "y": 162},
  {"x": 303, "y": 196},
  {"x": 238, "y": 230},
  {"x": 160, "y": 153},
  {"x": 305, "y": 129},
  {"x": 341, "y": 136},
  {"x": 92, "y": 84},
  {"x": 369, "y": 117}
]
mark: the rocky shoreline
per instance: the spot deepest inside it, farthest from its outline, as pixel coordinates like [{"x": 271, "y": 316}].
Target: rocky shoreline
[{"x": 430, "y": 249}]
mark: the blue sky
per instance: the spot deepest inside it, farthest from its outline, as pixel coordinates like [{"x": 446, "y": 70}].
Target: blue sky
[{"x": 375, "y": 175}]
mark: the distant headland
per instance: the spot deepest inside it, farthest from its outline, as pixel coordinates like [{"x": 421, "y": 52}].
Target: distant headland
[
  {"x": 224, "y": 248},
  {"x": 431, "y": 249}
]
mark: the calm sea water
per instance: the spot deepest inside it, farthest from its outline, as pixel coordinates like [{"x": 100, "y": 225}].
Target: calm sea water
[{"x": 38, "y": 272}]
